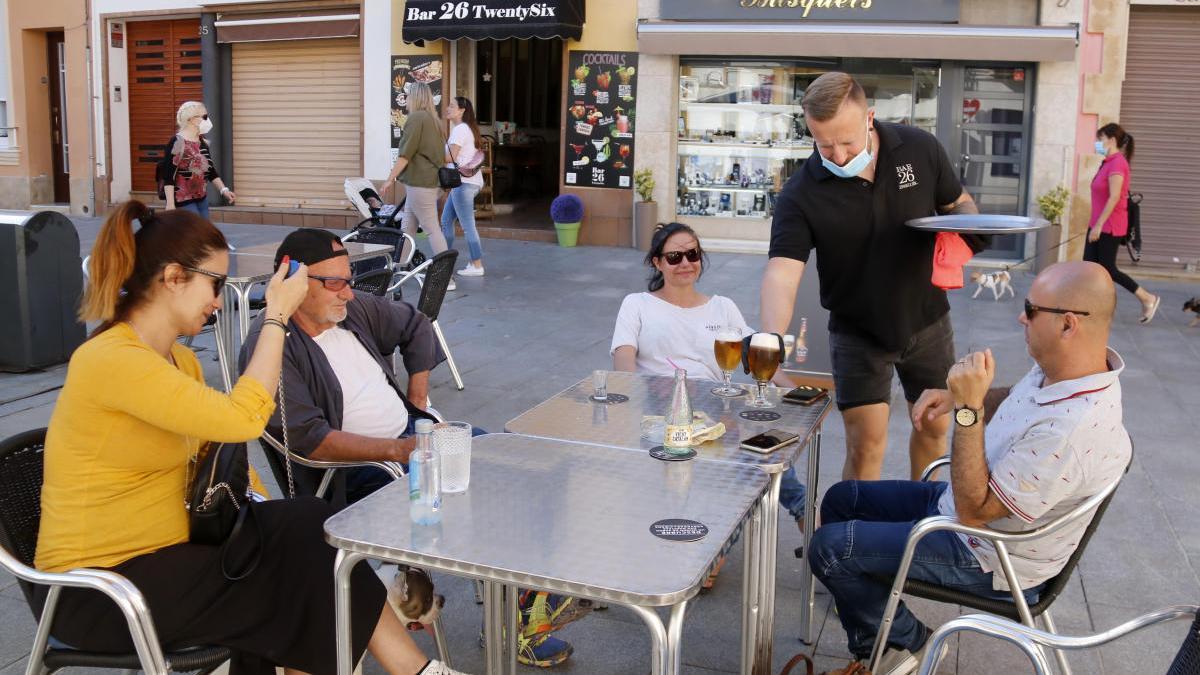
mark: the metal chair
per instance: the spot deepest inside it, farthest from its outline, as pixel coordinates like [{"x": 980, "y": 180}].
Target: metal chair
[
  {"x": 437, "y": 271},
  {"x": 374, "y": 282},
  {"x": 403, "y": 248},
  {"x": 1018, "y": 609},
  {"x": 21, "y": 467},
  {"x": 1032, "y": 641}
]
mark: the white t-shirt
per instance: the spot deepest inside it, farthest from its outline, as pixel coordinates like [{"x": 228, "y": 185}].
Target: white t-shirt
[
  {"x": 370, "y": 406},
  {"x": 461, "y": 136},
  {"x": 658, "y": 329},
  {"x": 1049, "y": 449}
]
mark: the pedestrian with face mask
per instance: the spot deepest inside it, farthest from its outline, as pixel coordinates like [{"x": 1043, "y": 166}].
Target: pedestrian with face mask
[
  {"x": 187, "y": 167},
  {"x": 849, "y": 202},
  {"x": 1110, "y": 212}
]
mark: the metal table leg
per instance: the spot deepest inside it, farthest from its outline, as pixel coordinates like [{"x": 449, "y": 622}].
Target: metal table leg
[
  {"x": 493, "y": 626},
  {"x": 751, "y": 549},
  {"x": 807, "y": 585},
  {"x": 343, "y": 564},
  {"x": 223, "y": 335},
  {"x": 768, "y": 547},
  {"x": 675, "y": 638},
  {"x": 660, "y": 652},
  {"x": 512, "y": 625}
]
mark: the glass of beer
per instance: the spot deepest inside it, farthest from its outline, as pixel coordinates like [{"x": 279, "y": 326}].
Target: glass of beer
[
  {"x": 728, "y": 348},
  {"x": 764, "y": 353}
]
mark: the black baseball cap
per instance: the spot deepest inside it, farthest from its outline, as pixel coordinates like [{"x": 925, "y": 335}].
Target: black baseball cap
[{"x": 309, "y": 245}]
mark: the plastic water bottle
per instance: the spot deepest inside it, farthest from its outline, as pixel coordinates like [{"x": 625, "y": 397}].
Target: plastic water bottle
[
  {"x": 425, "y": 478},
  {"x": 677, "y": 437}
]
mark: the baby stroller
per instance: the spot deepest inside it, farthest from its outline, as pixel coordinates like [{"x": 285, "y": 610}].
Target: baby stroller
[{"x": 381, "y": 224}]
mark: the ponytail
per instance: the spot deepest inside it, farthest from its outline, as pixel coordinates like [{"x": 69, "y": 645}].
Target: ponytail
[
  {"x": 125, "y": 265},
  {"x": 1127, "y": 148},
  {"x": 112, "y": 262}
]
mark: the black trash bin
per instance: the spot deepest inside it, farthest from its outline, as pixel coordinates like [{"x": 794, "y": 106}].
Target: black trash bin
[{"x": 41, "y": 282}]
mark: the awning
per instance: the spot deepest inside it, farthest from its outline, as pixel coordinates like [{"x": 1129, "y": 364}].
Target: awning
[
  {"x": 302, "y": 27},
  {"x": 494, "y": 19},
  {"x": 878, "y": 40}
]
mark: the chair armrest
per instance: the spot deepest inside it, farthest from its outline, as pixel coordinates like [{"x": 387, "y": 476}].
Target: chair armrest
[
  {"x": 393, "y": 469},
  {"x": 418, "y": 270},
  {"x": 934, "y": 466}
]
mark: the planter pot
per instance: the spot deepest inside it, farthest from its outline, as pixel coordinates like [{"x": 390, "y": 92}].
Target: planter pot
[
  {"x": 645, "y": 219},
  {"x": 568, "y": 233},
  {"x": 1048, "y": 248}
]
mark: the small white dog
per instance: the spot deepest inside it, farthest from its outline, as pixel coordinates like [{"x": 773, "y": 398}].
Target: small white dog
[{"x": 997, "y": 282}]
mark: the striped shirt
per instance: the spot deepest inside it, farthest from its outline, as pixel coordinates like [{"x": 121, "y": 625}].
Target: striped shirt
[{"x": 1049, "y": 448}]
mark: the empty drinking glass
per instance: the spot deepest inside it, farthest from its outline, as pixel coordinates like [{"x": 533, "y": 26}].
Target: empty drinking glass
[
  {"x": 453, "y": 443},
  {"x": 600, "y": 385}
]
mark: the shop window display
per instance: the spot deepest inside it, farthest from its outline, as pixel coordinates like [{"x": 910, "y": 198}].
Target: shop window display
[{"x": 741, "y": 129}]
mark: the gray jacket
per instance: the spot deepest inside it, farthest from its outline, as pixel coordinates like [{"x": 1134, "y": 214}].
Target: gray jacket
[{"x": 313, "y": 395}]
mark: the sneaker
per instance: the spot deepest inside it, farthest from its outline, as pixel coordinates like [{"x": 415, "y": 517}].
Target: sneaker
[
  {"x": 435, "y": 667},
  {"x": 451, "y": 286},
  {"x": 542, "y": 651},
  {"x": 897, "y": 662},
  {"x": 1149, "y": 312},
  {"x": 545, "y": 612},
  {"x": 471, "y": 271},
  {"x": 919, "y": 655}
]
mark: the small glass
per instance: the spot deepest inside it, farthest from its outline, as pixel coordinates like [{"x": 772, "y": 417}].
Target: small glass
[
  {"x": 452, "y": 440},
  {"x": 727, "y": 347},
  {"x": 764, "y": 353},
  {"x": 600, "y": 386}
]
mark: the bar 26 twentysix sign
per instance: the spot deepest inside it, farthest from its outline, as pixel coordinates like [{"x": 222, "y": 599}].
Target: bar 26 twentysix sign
[{"x": 448, "y": 11}]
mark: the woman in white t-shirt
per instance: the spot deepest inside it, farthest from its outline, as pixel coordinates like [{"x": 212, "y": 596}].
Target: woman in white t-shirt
[
  {"x": 464, "y": 143},
  {"x": 673, "y": 322}
]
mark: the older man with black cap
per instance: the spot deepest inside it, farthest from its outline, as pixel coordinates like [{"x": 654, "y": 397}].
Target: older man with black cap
[{"x": 343, "y": 401}]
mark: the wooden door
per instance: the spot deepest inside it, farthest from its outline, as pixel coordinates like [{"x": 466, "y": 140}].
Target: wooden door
[
  {"x": 56, "y": 67},
  {"x": 164, "y": 72}
]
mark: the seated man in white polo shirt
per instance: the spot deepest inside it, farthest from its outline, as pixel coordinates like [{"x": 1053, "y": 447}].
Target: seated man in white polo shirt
[{"x": 1055, "y": 440}]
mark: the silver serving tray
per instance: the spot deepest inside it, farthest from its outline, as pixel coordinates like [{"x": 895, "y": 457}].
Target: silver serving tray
[{"x": 978, "y": 224}]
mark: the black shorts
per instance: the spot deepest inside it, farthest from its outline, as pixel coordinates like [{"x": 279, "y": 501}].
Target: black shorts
[
  {"x": 281, "y": 614},
  {"x": 862, "y": 370}
]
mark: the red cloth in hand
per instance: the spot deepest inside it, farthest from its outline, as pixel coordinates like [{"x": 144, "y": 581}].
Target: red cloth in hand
[{"x": 950, "y": 253}]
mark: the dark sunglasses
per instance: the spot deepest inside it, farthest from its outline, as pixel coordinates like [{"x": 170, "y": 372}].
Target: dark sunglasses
[
  {"x": 218, "y": 280},
  {"x": 675, "y": 257},
  {"x": 1031, "y": 310},
  {"x": 334, "y": 284},
  {"x": 203, "y": 117}
]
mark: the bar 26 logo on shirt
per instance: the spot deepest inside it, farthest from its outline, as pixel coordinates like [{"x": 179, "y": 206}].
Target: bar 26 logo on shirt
[{"x": 906, "y": 176}]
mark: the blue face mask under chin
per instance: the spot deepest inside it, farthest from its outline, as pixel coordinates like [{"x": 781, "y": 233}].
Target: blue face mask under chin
[{"x": 854, "y": 166}]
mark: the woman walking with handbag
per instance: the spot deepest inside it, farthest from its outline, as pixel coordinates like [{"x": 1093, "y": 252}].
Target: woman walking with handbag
[
  {"x": 1110, "y": 214},
  {"x": 122, "y": 450},
  {"x": 465, "y": 150},
  {"x": 422, "y": 153},
  {"x": 187, "y": 167}
]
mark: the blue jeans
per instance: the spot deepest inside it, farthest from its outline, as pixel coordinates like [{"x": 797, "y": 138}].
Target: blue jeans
[
  {"x": 199, "y": 206},
  {"x": 461, "y": 206},
  {"x": 791, "y": 494},
  {"x": 865, "y": 525},
  {"x": 363, "y": 480}
]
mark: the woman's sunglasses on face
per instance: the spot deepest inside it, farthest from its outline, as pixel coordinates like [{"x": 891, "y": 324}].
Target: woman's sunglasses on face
[
  {"x": 676, "y": 257},
  {"x": 203, "y": 117},
  {"x": 1031, "y": 310},
  {"x": 218, "y": 280}
]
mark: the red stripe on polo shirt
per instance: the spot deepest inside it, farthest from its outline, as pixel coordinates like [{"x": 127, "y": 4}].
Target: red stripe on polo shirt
[
  {"x": 1008, "y": 502},
  {"x": 1077, "y": 395}
]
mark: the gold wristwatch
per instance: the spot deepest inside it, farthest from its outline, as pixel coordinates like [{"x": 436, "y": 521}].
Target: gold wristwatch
[{"x": 967, "y": 416}]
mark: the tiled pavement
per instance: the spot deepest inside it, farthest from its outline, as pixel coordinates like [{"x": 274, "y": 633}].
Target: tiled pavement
[{"x": 542, "y": 318}]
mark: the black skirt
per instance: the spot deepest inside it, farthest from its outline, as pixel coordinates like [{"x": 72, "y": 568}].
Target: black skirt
[{"x": 281, "y": 614}]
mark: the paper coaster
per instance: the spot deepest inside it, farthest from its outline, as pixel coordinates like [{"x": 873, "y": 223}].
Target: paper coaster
[
  {"x": 613, "y": 399},
  {"x": 759, "y": 415},
  {"x": 658, "y": 452},
  {"x": 679, "y": 529}
]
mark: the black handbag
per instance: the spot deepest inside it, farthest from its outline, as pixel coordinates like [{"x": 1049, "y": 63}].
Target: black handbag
[
  {"x": 219, "y": 506},
  {"x": 448, "y": 176},
  {"x": 1133, "y": 237}
]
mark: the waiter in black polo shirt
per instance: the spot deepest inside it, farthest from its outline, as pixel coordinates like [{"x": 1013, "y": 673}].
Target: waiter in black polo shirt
[{"x": 849, "y": 201}]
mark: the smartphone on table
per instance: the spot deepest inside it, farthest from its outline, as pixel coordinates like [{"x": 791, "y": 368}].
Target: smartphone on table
[
  {"x": 770, "y": 441},
  {"x": 805, "y": 395}
]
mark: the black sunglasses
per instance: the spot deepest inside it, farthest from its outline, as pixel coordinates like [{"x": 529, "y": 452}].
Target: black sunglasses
[
  {"x": 218, "y": 280},
  {"x": 1031, "y": 310},
  {"x": 675, "y": 257},
  {"x": 334, "y": 284},
  {"x": 203, "y": 117}
]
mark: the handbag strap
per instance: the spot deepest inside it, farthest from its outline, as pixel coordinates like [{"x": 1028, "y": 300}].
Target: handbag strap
[{"x": 244, "y": 514}]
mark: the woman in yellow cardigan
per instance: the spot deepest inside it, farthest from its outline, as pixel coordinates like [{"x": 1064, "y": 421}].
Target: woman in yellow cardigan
[{"x": 121, "y": 449}]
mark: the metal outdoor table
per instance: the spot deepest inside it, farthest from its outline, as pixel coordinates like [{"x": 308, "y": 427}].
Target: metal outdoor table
[
  {"x": 249, "y": 266},
  {"x": 593, "y": 538},
  {"x": 572, "y": 415}
]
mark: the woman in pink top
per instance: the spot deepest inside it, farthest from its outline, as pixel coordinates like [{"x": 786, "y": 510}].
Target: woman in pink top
[{"x": 1110, "y": 212}]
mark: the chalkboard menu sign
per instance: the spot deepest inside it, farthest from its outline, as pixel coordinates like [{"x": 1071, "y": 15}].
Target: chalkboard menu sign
[
  {"x": 406, "y": 70},
  {"x": 601, "y": 113}
]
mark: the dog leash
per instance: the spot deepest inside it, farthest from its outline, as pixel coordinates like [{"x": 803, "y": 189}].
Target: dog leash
[{"x": 1022, "y": 262}]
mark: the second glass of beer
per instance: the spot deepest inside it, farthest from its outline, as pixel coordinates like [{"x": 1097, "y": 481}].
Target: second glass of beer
[
  {"x": 728, "y": 349},
  {"x": 763, "y": 356}
]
